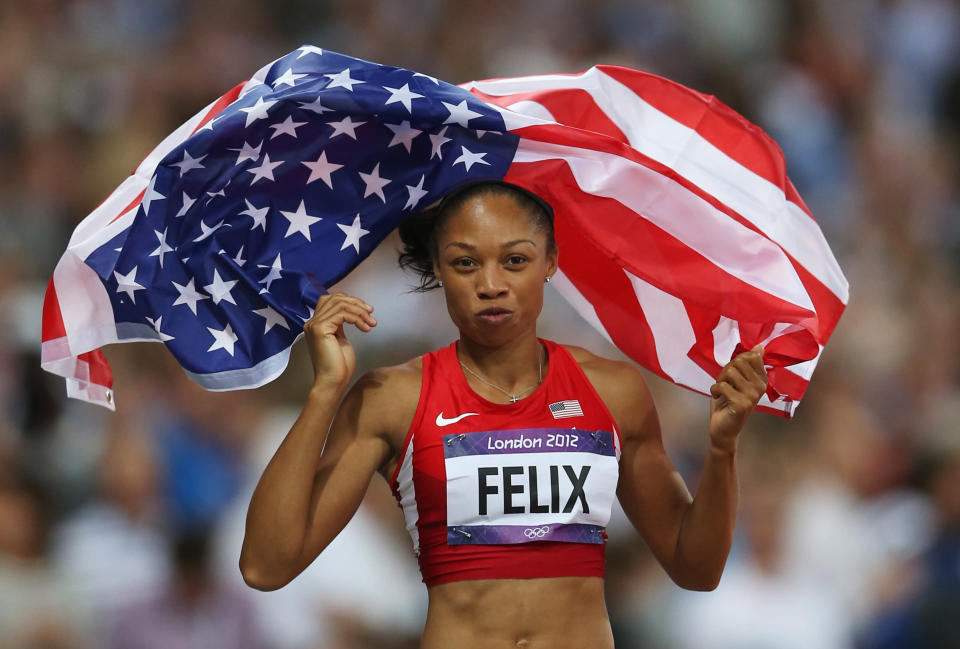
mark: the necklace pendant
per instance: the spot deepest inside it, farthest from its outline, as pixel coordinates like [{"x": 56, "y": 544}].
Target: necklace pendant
[{"x": 514, "y": 399}]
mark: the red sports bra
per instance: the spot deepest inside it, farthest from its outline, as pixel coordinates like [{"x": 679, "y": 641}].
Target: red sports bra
[{"x": 505, "y": 491}]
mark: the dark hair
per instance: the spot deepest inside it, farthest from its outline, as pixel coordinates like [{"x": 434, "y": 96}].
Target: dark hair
[{"x": 418, "y": 232}]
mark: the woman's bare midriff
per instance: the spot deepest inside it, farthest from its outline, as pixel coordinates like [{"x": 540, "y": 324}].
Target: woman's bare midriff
[{"x": 554, "y": 613}]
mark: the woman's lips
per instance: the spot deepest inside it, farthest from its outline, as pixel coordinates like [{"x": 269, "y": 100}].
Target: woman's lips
[{"x": 495, "y": 316}]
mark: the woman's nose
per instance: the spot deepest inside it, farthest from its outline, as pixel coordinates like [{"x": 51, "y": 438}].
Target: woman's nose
[{"x": 490, "y": 283}]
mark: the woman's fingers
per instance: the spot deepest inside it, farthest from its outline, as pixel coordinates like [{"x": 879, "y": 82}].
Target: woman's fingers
[{"x": 335, "y": 309}]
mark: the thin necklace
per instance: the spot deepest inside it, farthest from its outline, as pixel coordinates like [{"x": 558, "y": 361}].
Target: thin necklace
[{"x": 513, "y": 397}]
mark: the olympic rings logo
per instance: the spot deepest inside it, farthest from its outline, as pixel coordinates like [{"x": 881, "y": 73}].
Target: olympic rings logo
[{"x": 536, "y": 532}]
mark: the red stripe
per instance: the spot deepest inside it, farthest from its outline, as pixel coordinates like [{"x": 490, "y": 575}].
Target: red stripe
[
  {"x": 719, "y": 124},
  {"x": 134, "y": 203},
  {"x": 648, "y": 251},
  {"x": 595, "y": 274},
  {"x": 220, "y": 104},
  {"x": 100, "y": 372},
  {"x": 645, "y": 250},
  {"x": 572, "y": 107},
  {"x": 52, "y": 325},
  {"x": 827, "y": 305}
]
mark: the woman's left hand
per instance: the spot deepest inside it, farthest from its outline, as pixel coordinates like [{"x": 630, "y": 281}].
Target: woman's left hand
[{"x": 739, "y": 387}]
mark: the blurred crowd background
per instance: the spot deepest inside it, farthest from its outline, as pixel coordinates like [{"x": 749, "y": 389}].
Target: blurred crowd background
[{"x": 122, "y": 530}]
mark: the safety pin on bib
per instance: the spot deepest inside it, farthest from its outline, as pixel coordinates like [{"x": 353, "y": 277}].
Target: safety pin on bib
[
  {"x": 594, "y": 435},
  {"x": 458, "y": 438}
]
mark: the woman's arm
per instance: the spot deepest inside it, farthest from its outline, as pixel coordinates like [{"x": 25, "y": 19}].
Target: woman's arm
[
  {"x": 690, "y": 537},
  {"x": 310, "y": 490}
]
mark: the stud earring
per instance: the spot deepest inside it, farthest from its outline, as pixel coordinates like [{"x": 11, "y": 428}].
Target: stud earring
[
  {"x": 547, "y": 280},
  {"x": 439, "y": 283}
]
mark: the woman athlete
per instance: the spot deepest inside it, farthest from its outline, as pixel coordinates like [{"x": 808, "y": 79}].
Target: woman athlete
[{"x": 473, "y": 433}]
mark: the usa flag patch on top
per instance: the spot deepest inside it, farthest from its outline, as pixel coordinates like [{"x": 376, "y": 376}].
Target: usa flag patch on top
[{"x": 569, "y": 408}]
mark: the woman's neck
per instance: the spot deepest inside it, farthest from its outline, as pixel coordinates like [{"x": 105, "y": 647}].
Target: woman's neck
[{"x": 513, "y": 366}]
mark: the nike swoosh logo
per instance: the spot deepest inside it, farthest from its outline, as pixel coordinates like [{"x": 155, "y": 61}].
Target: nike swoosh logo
[{"x": 442, "y": 421}]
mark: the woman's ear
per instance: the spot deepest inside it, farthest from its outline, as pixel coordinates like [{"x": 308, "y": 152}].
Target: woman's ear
[{"x": 552, "y": 258}]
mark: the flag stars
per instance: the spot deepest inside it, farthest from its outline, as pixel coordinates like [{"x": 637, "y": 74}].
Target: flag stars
[
  {"x": 265, "y": 170},
  {"x": 150, "y": 195},
  {"x": 402, "y": 95},
  {"x": 437, "y": 140},
  {"x": 287, "y": 127},
  {"x": 469, "y": 158},
  {"x": 128, "y": 284},
  {"x": 220, "y": 290},
  {"x": 164, "y": 246},
  {"x": 300, "y": 221},
  {"x": 320, "y": 169},
  {"x": 223, "y": 339},
  {"x": 288, "y": 78},
  {"x": 403, "y": 134},
  {"x": 426, "y": 76},
  {"x": 346, "y": 126},
  {"x": 460, "y": 114},
  {"x": 273, "y": 274},
  {"x": 187, "y": 204},
  {"x": 189, "y": 163},
  {"x": 308, "y": 49},
  {"x": 341, "y": 80},
  {"x": 213, "y": 195},
  {"x": 156, "y": 324},
  {"x": 247, "y": 152},
  {"x": 416, "y": 194},
  {"x": 374, "y": 183},
  {"x": 315, "y": 106},
  {"x": 272, "y": 318},
  {"x": 258, "y": 214},
  {"x": 209, "y": 125},
  {"x": 239, "y": 260},
  {"x": 207, "y": 230},
  {"x": 189, "y": 295},
  {"x": 258, "y": 110},
  {"x": 353, "y": 233}
]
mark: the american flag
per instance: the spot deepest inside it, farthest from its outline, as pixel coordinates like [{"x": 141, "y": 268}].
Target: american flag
[
  {"x": 682, "y": 240},
  {"x": 568, "y": 408}
]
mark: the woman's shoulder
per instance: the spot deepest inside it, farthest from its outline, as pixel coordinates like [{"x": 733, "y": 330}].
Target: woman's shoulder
[
  {"x": 620, "y": 384},
  {"x": 393, "y": 380},
  {"x": 603, "y": 368}
]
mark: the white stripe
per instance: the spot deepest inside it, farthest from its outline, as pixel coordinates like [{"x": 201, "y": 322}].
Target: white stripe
[
  {"x": 581, "y": 305},
  {"x": 680, "y": 147},
  {"x": 673, "y": 334},
  {"x": 408, "y": 495},
  {"x": 726, "y": 336},
  {"x": 246, "y": 377},
  {"x": 533, "y": 109},
  {"x": 84, "y": 306},
  {"x": 728, "y": 244}
]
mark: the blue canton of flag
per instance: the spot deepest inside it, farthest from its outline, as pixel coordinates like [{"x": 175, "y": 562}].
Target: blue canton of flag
[{"x": 279, "y": 195}]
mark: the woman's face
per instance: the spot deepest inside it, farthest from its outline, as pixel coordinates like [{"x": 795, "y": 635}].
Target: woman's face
[{"x": 493, "y": 261}]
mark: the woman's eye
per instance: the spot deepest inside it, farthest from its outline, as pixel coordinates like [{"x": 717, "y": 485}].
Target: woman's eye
[
  {"x": 463, "y": 262},
  {"x": 516, "y": 259}
]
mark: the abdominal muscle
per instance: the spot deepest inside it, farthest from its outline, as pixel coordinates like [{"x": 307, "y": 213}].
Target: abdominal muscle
[{"x": 551, "y": 613}]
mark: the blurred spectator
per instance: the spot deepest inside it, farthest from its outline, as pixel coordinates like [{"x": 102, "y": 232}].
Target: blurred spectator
[
  {"x": 113, "y": 550},
  {"x": 194, "y": 611},
  {"x": 39, "y": 608},
  {"x": 362, "y": 591}
]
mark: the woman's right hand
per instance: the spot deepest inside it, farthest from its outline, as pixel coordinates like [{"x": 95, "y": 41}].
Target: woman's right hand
[{"x": 331, "y": 353}]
